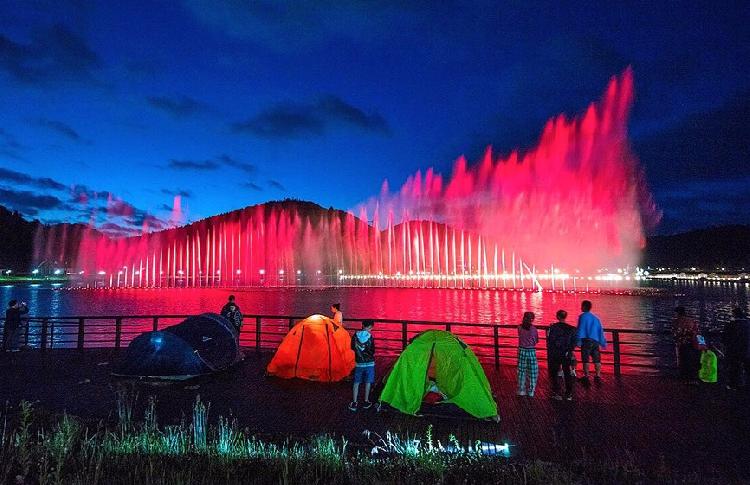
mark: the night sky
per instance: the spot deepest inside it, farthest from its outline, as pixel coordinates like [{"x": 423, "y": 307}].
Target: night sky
[{"x": 234, "y": 103}]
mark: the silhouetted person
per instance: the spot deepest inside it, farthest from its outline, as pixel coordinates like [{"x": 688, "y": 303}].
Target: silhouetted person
[
  {"x": 231, "y": 311},
  {"x": 11, "y": 329},
  {"x": 591, "y": 339},
  {"x": 685, "y": 333},
  {"x": 737, "y": 348},
  {"x": 561, "y": 344}
]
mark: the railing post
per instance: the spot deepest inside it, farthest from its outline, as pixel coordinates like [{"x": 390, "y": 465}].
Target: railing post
[
  {"x": 257, "y": 334},
  {"x": 156, "y": 324},
  {"x": 616, "y": 350},
  {"x": 43, "y": 337},
  {"x": 81, "y": 333},
  {"x": 404, "y": 335},
  {"x": 291, "y": 323},
  {"x": 447, "y": 327},
  {"x": 496, "y": 345},
  {"x": 118, "y": 332}
]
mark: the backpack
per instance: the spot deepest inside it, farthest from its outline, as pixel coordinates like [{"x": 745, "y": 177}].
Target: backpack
[{"x": 708, "y": 371}]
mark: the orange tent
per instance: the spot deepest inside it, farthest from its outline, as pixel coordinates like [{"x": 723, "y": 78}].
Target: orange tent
[{"x": 315, "y": 349}]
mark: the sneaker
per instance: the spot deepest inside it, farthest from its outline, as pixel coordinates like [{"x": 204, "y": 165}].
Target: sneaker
[
  {"x": 521, "y": 393},
  {"x": 353, "y": 406},
  {"x": 557, "y": 397},
  {"x": 531, "y": 394},
  {"x": 584, "y": 379},
  {"x": 598, "y": 379},
  {"x": 366, "y": 405},
  {"x": 569, "y": 397},
  {"x": 730, "y": 388}
]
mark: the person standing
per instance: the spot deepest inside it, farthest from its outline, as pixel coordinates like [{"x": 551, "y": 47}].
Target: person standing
[
  {"x": 591, "y": 339},
  {"x": 337, "y": 316},
  {"x": 685, "y": 332},
  {"x": 561, "y": 344},
  {"x": 527, "y": 363},
  {"x": 737, "y": 347},
  {"x": 11, "y": 329},
  {"x": 230, "y": 301},
  {"x": 363, "y": 346}
]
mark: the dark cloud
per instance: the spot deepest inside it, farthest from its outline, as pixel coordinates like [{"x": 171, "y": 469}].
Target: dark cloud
[
  {"x": 179, "y": 107},
  {"x": 244, "y": 166},
  {"x": 276, "y": 185},
  {"x": 60, "y": 128},
  {"x": 185, "y": 194},
  {"x": 9, "y": 146},
  {"x": 24, "y": 179},
  {"x": 193, "y": 165},
  {"x": 253, "y": 186},
  {"x": 55, "y": 53},
  {"x": 27, "y": 202},
  {"x": 292, "y": 120}
]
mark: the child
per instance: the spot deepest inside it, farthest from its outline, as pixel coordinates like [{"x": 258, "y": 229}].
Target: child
[
  {"x": 363, "y": 346},
  {"x": 338, "y": 317},
  {"x": 527, "y": 363}
]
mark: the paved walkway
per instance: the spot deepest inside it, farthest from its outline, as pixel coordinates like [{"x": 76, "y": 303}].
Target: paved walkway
[{"x": 651, "y": 419}]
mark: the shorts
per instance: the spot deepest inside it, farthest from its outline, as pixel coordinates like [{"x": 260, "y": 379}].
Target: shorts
[
  {"x": 364, "y": 374},
  {"x": 590, "y": 348}
]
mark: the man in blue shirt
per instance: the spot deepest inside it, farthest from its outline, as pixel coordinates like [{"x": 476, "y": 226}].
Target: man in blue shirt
[{"x": 590, "y": 339}]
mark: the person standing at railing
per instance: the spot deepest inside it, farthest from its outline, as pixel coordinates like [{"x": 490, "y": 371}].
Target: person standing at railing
[
  {"x": 737, "y": 348},
  {"x": 528, "y": 336},
  {"x": 12, "y": 326},
  {"x": 230, "y": 301},
  {"x": 337, "y": 317},
  {"x": 561, "y": 345},
  {"x": 591, "y": 339},
  {"x": 685, "y": 333}
]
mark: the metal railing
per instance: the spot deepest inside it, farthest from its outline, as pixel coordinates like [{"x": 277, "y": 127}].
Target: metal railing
[{"x": 495, "y": 344}]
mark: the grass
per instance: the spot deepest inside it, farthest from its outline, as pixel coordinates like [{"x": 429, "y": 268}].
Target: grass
[{"x": 38, "y": 448}]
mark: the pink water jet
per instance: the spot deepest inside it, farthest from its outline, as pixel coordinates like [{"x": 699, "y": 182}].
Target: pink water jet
[{"x": 575, "y": 204}]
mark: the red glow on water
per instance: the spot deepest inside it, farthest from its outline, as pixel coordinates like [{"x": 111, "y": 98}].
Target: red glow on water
[{"x": 576, "y": 202}]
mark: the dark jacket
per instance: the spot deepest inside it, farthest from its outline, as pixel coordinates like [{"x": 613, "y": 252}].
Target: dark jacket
[
  {"x": 737, "y": 339},
  {"x": 235, "y": 317},
  {"x": 363, "y": 346},
  {"x": 561, "y": 340},
  {"x": 13, "y": 316}
]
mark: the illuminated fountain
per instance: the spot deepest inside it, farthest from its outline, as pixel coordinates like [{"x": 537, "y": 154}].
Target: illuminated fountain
[{"x": 574, "y": 207}]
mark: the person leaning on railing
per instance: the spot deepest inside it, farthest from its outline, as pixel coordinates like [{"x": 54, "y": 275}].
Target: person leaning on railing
[{"x": 685, "y": 332}]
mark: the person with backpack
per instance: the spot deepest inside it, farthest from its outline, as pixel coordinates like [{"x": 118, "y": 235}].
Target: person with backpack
[
  {"x": 737, "y": 348},
  {"x": 685, "y": 333},
  {"x": 363, "y": 346},
  {"x": 561, "y": 344}
]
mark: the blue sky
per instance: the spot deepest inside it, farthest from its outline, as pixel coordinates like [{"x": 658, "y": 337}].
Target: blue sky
[{"x": 237, "y": 102}]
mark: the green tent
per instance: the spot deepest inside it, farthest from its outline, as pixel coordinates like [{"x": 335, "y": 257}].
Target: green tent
[{"x": 458, "y": 375}]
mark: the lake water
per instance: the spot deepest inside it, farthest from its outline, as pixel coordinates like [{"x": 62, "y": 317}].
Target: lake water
[{"x": 649, "y": 309}]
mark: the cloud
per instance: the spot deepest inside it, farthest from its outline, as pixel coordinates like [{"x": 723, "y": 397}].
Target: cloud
[
  {"x": 24, "y": 179},
  {"x": 185, "y": 194},
  {"x": 276, "y": 185},
  {"x": 244, "y": 166},
  {"x": 292, "y": 120},
  {"x": 213, "y": 164},
  {"x": 253, "y": 186},
  {"x": 60, "y": 128},
  {"x": 193, "y": 165},
  {"x": 29, "y": 203},
  {"x": 178, "y": 107},
  {"x": 54, "y": 54}
]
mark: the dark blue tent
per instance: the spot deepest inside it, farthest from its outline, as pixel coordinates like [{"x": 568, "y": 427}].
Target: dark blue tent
[{"x": 197, "y": 346}]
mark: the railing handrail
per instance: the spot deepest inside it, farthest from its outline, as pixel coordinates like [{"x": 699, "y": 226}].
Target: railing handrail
[{"x": 347, "y": 319}]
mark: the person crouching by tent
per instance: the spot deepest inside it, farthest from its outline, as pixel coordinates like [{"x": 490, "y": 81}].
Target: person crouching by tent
[
  {"x": 561, "y": 344},
  {"x": 363, "y": 346},
  {"x": 528, "y": 336}
]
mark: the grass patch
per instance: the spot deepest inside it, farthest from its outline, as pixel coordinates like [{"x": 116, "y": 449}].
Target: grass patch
[{"x": 40, "y": 449}]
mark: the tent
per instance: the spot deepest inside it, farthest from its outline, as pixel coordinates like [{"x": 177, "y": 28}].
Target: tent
[
  {"x": 457, "y": 373},
  {"x": 316, "y": 349},
  {"x": 198, "y": 345}
]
